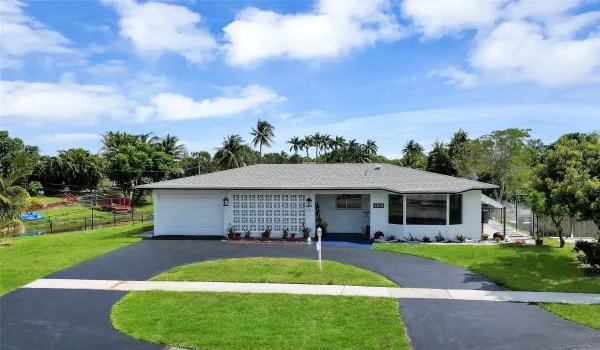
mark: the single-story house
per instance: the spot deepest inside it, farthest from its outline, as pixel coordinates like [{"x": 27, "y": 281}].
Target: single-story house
[{"x": 392, "y": 199}]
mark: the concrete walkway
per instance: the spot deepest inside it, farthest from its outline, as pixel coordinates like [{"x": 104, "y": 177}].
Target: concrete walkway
[{"x": 315, "y": 289}]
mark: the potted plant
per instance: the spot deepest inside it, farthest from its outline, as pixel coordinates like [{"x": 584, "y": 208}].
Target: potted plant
[
  {"x": 485, "y": 236},
  {"x": 323, "y": 225},
  {"x": 539, "y": 240},
  {"x": 305, "y": 231},
  {"x": 293, "y": 236},
  {"x": 378, "y": 235},
  {"x": 248, "y": 235},
  {"x": 266, "y": 235},
  {"x": 231, "y": 230},
  {"x": 285, "y": 232}
]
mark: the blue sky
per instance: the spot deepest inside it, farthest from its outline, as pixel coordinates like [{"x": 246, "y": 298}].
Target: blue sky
[{"x": 389, "y": 70}]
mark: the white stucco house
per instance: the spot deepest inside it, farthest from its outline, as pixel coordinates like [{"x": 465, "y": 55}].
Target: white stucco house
[{"x": 394, "y": 200}]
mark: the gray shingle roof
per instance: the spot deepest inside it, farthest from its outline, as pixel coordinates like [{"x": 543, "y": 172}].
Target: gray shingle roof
[{"x": 324, "y": 177}]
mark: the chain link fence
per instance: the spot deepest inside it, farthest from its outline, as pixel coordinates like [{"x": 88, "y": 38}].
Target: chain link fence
[{"x": 81, "y": 223}]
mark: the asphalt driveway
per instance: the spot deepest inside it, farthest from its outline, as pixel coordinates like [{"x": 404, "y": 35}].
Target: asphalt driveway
[{"x": 77, "y": 319}]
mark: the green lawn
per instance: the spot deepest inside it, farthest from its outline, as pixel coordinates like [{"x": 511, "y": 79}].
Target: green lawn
[
  {"x": 543, "y": 269},
  {"x": 275, "y": 270},
  {"x": 25, "y": 259},
  {"x": 194, "y": 320},
  {"x": 587, "y": 315}
]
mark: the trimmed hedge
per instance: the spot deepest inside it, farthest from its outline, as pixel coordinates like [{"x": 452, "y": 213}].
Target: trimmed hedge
[{"x": 588, "y": 253}]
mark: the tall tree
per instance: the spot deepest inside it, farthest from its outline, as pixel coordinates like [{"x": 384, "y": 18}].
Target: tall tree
[
  {"x": 413, "y": 156},
  {"x": 13, "y": 201},
  {"x": 307, "y": 143},
  {"x": 16, "y": 158},
  {"x": 559, "y": 189},
  {"x": 263, "y": 135},
  {"x": 197, "y": 163},
  {"x": 459, "y": 153},
  {"x": 170, "y": 145},
  {"x": 438, "y": 160},
  {"x": 296, "y": 145},
  {"x": 232, "y": 153},
  {"x": 501, "y": 158},
  {"x": 371, "y": 147},
  {"x": 317, "y": 142}
]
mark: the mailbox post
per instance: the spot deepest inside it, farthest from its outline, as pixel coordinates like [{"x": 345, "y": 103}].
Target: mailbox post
[{"x": 319, "y": 233}]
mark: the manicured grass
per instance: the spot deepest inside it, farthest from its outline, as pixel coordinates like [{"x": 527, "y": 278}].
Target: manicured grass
[
  {"x": 587, "y": 315},
  {"x": 275, "y": 270},
  {"x": 25, "y": 259},
  {"x": 195, "y": 320},
  {"x": 542, "y": 269}
]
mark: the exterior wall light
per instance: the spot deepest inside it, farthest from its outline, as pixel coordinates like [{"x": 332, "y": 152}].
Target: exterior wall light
[
  {"x": 225, "y": 202},
  {"x": 308, "y": 202}
]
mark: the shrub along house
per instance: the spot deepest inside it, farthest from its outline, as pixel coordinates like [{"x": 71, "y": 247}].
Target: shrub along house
[{"x": 394, "y": 200}]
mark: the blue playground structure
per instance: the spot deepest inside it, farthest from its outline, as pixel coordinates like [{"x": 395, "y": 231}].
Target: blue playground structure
[{"x": 32, "y": 216}]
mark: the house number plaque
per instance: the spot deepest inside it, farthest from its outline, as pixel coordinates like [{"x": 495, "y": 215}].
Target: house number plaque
[{"x": 377, "y": 205}]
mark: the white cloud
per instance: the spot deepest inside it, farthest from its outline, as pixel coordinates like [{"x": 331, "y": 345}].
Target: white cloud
[
  {"x": 178, "y": 107},
  {"x": 333, "y": 28},
  {"x": 155, "y": 28},
  {"x": 521, "y": 51},
  {"x": 22, "y": 35},
  {"x": 65, "y": 102},
  {"x": 437, "y": 18},
  {"x": 541, "y": 42},
  {"x": 111, "y": 67}
]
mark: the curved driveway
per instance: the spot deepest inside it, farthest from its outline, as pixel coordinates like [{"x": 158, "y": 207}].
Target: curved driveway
[{"x": 78, "y": 319}]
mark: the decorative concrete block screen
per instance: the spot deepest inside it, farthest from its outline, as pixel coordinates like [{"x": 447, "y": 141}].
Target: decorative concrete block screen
[{"x": 255, "y": 212}]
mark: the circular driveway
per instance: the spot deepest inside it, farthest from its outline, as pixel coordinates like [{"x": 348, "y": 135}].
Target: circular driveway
[{"x": 34, "y": 319}]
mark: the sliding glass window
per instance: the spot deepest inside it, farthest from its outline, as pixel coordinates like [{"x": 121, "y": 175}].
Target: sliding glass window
[
  {"x": 455, "y": 209},
  {"x": 396, "y": 209},
  {"x": 426, "y": 209}
]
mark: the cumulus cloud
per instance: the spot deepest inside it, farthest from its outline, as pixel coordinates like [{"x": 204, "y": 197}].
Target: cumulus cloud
[
  {"x": 22, "y": 34},
  {"x": 437, "y": 18},
  {"x": 333, "y": 28},
  {"x": 155, "y": 28},
  {"x": 178, "y": 107},
  {"x": 541, "y": 42},
  {"x": 64, "y": 102}
]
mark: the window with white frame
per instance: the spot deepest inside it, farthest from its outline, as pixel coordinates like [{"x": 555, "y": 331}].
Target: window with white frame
[{"x": 348, "y": 201}]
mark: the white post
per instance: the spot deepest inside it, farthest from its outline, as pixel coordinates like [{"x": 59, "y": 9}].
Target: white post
[{"x": 319, "y": 233}]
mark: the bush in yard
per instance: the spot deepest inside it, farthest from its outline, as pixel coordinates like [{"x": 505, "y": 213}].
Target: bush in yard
[
  {"x": 35, "y": 204},
  {"x": 439, "y": 238},
  {"x": 426, "y": 239},
  {"x": 34, "y": 188},
  {"x": 588, "y": 253},
  {"x": 461, "y": 238}
]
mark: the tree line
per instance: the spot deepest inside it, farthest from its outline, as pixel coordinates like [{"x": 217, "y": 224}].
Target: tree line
[{"x": 561, "y": 178}]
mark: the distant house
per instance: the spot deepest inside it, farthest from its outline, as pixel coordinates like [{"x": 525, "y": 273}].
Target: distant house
[{"x": 394, "y": 200}]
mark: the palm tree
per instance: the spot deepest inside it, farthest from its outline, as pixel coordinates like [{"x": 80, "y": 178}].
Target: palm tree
[
  {"x": 170, "y": 145},
  {"x": 13, "y": 201},
  {"x": 317, "y": 142},
  {"x": 339, "y": 142},
  {"x": 232, "y": 153},
  {"x": 371, "y": 147},
  {"x": 264, "y": 134},
  {"x": 326, "y": 144},
  {"x": 307, "y": 143},
  {"x": 413, "y": 156},
  {"x": 296, "y": 143}
]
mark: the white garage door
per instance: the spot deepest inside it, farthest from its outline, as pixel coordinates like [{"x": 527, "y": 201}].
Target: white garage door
[{"x": 190, "y": 215}]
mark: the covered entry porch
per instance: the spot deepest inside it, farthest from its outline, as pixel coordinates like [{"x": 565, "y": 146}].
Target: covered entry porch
[{"x": 345, "y": 215}]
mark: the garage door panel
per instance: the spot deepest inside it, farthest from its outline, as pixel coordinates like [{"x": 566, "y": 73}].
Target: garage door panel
[{"x": 187, "y": 215}]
